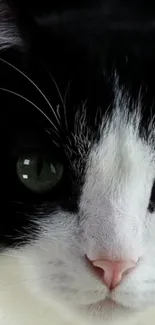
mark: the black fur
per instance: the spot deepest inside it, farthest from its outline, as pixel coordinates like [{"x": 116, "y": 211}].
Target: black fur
[{"x": 82, "y": 44}]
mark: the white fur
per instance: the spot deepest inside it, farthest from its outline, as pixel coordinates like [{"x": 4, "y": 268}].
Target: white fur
[
  {"x": 18, "y": 306},
  {"x": 113, "y": 222}
]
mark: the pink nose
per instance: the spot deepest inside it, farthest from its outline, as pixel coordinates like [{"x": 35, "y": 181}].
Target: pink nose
[{"x": 113, "y": 271}]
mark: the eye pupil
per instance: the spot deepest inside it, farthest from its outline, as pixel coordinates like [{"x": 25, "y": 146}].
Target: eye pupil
[
  {"x": 38, "y": 173},
  {"x": 39, "y": 166}
]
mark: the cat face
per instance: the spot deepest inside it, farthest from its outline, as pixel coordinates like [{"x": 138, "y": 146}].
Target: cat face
[
  {"x": 81, "y": 176},
  {"x": 110, "y": 219}
]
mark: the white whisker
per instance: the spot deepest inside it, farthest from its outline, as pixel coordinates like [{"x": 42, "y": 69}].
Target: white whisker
[
  {"x": 58, "y": 90},
  {"x": 61, "y": 98},
  {"x": 58, "y": 111},
  {"x": 11, "y": 255},
  {"x": 34, "y": 84},
  {"x": 65, "y": 98},
  {"x": 33, "y": 104}
]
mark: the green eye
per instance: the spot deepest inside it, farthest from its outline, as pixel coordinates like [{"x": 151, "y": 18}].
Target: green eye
[{"x": 38, "y": 173}]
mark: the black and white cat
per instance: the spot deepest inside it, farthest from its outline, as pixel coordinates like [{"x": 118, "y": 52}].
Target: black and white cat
[{"x": 78, "y": 99}]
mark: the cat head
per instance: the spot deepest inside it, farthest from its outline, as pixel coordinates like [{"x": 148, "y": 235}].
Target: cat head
[{"x": 81, "y": 158}]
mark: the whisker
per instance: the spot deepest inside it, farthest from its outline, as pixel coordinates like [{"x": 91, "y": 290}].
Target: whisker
[
  {"x": 61, "y": 98},
  {"x": 34, "y": 84},
  {"x": 33, "y": 104},
  {"x": 17, "y": 202},
  {"x": 65, "y": 98},
  {"x": 11, "y": 255},
  {"x": 53, "y": 131},
  {"x": 57, "y": 88},
  {"x": 58, "y": 111},
  {"x": 66, "y": 92}
]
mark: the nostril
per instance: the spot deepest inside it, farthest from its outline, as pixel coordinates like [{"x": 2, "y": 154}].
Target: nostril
[
  {"x": 94, "y": 269},
  {"x": 112, "y": 272}
]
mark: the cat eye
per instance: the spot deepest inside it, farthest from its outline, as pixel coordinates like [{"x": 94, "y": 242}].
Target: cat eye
[{"x": 38, "y": 172}]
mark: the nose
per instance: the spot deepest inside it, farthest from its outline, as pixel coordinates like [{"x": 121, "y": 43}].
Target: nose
[{"x": 113, "y": 271}]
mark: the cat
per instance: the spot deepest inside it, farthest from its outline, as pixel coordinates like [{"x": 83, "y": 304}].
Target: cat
[{"x": 77, "y": 93}]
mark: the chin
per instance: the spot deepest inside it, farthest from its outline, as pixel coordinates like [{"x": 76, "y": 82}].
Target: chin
[
  {"x": 109, "y": 311},
  {"x": 109, "y": 314}
]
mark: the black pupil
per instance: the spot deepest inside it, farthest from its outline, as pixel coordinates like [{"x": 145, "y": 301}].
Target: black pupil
[{"x": 39, "y": 165}]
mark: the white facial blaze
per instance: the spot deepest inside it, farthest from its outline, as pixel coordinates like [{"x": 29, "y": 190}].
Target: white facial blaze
[{"x": 116, "y": 193}]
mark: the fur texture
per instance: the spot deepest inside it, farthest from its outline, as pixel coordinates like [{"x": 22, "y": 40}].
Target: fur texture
[{"x": 77, "y": 85}]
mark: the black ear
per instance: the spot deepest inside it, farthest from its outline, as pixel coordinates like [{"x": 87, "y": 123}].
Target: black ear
[
  {"x": 17, "y": 21},
  {"x": 9, "y": 34}
]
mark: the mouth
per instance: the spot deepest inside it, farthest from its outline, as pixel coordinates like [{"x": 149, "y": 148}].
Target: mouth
[
  {"x": 110, "y": 303},
  {"x": 106, "y": 303}
]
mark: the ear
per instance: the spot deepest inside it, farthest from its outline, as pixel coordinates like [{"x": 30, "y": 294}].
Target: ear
[
  {"x": 9, "y": 34},
  {"x": 18, "y": 21}
]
